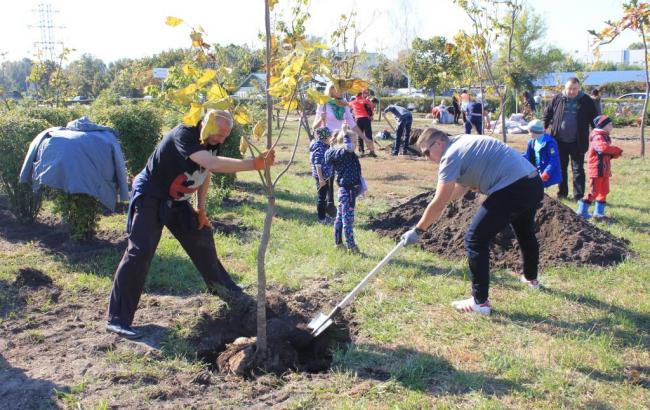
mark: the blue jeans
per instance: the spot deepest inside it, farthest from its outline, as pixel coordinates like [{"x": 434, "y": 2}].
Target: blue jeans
[
  {"x": 513, "y": 205},
  {"x": 476, "y": 121},
  {"x": 403, "y": 134}
]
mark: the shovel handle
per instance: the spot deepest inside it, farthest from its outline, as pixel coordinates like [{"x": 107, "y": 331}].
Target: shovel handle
[{"x": 372, "y": 273}]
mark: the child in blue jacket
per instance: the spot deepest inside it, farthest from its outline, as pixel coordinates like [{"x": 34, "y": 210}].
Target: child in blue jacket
[
  {"x": 348, "y": 177},
  {"x": 321, "y": 172},
  {"x": 542, "y": 152}
]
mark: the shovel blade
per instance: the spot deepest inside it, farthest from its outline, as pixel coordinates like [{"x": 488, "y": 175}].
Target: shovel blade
[{"x": 319, "y": 324}]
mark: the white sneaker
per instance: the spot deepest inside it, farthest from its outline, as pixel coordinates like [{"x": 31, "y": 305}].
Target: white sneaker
[
  {"x": 533, "y": 283},
  {"x": 469, "y": 306}
]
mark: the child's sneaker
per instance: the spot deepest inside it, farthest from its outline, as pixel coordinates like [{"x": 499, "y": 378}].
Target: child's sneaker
[
  {"x": 326, "y": 221},
  {"x": 470, "y": 306},
  {"x": 532, "y": 283},
  {"x": 339, "y": 246},
  {"x": 354, "y": 249}
]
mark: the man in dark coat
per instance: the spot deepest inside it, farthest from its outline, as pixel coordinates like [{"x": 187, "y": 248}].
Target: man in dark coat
[{"x": 569, "y": 116}]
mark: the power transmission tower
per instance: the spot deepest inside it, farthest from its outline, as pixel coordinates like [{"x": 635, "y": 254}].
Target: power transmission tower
[{"x": 47, "y": 46}]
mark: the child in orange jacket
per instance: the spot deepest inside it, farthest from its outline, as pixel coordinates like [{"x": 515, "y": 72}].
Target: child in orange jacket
[{"x": 601, "y": 151}]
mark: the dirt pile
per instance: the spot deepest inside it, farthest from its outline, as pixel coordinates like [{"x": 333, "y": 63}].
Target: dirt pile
[
  {"x": 564, "y": 237},
  {"x": 225, "y": 339}
]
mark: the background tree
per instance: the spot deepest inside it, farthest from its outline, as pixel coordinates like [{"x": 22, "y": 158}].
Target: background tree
[
  {"x": 86, "y": 76},
  {"x": 13, "y": 74},
  {"x": 636, "y": 17},
  {"x": 432, "y": 64}
]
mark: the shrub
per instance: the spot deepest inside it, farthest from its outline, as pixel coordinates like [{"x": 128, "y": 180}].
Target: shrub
[
  {"x": 139, "y": 127},
  {"x": 54, "y": 116},
  {"x": 16, "y": 132},
  {"x": 229, "y": 149},
  {"x": 80, "y": 211}
]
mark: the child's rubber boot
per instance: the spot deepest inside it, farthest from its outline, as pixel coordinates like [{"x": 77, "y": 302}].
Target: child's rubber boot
[
  {"x": 583, "y": 209},
  {"x": 599, "y": 211}
]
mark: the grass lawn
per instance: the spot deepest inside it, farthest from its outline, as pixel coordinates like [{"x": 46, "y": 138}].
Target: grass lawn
[{"x": 580, "y": 342}]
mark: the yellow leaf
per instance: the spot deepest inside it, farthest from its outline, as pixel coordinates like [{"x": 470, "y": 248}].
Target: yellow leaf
[
  {"x": 222, "y": 104},
  {"x": 193, "y": 116},
  {"x": 241, "y": 116},
  {"x": 189, "y": 70},
  {"x": 290, "y": 104},
  {"x": 320, "y": 45},
  {"x": 272, "y": 4},
  {"x": 197, "y": 38},
  {"x": 184, "y": 92},
  {"x": 216, "y": 92},
  {"x": 317, "y": 97},
  {"x": 207, "y": 76},
  {"x": 243, "y": 146},
  {"x": 258, "y": 130},
  {"x": 173, "y": 21}
]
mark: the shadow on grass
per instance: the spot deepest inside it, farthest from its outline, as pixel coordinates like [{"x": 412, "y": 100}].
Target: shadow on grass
[
  {"x": 19, "y": 391},
  {"x": 426, "y": 268},
  {"x": 280, "y": 193},
  {"x": 637, "y": 335},
  {"x": 420, "y": 371}
]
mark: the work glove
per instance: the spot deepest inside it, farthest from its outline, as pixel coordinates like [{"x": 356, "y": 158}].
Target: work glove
[
  {"x": 202, "y": 218},
  {"x": 269, "y": 156},
  {"x": 545, "y": 176},
  {"x": 412, "y": 236}
]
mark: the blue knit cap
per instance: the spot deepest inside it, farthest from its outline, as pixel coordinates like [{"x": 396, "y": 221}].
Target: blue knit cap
[
  {"x": 323, "y": 133},
  {"x": 601, "y": 121}
]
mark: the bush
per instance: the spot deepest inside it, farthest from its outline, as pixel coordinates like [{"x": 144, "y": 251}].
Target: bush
[
  {"x": 139, "y": 127},
  {"x": 54, "y": 116},
  {"x": 229, "y": 149},
  {"x": 16, "y": 132},
  {"x": 80, "y": 211}
]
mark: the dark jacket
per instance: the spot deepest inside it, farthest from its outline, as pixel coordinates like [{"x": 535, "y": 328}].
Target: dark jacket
[
  {"x": 346, "y": 166},
  {"x": 586, "y": 113}
]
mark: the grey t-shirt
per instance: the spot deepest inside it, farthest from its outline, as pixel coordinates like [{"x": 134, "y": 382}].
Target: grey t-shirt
[
  {"x": 568, "y": 131},
  {"x": 482, "y": 162}
]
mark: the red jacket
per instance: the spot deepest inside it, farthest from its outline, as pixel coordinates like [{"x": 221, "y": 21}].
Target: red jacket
[
  {"x": 361, "y": 107},
  {"x": 600, "y": 153}
]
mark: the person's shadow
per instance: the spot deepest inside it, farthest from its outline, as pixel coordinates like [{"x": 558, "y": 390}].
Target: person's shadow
[{"x": 19, "y": 391}]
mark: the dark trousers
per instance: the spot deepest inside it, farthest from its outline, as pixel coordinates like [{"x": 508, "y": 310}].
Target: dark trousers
[
  {"x": 145, "y": 234},
  {"x": 516, "y": 205},
  {"x": 403, "y": 134},
  {"x": 456, "y": 115},
  {"x": 476, "y": 121},
  {"x": 365, "y": 125},
  {"x": 324, "y": 197},
  {"x": 570, "y": 150}
]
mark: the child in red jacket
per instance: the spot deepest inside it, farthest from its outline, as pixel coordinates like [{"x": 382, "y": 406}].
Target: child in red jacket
[{"x": 599, "y": 156}]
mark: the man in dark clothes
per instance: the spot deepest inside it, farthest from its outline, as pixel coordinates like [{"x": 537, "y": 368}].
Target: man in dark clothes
[
  {"x": 180, "y": 166},
  {"x": 569, "y": 115},
  {"x": 403, "y": 132}
]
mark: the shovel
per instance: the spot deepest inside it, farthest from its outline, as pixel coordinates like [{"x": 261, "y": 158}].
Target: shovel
[{"x": 322, "y": 321}]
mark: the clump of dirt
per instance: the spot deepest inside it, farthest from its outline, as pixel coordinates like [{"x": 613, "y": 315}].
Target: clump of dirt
[
  {"x": 564, "y": 237},
  {"x": 32, "y": 278},
  {"x": 225, "y": 339}
]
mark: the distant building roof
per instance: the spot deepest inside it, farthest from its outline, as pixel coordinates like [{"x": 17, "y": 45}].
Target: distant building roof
[{"x": 592, "y": 78}]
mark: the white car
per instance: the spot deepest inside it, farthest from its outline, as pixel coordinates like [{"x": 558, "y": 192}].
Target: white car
[{"x": 636, "y": 96}]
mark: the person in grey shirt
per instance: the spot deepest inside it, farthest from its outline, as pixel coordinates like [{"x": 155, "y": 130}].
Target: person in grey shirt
[{"x": 513, "y": 188}]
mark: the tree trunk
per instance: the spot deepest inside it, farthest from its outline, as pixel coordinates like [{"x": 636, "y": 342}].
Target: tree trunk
[
  {"x": 262, "y": 342},
  {"x": 647, "y": 93},
  {"x": 503, "y": 115}
]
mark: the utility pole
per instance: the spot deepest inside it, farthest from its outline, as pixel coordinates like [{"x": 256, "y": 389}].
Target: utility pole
[{"x": 47, "y": 46}]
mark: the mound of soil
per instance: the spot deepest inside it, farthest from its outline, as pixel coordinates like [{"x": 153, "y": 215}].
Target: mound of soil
[
  {"x": 564, "y": 237},
  {"x": 225, "y": 339}
]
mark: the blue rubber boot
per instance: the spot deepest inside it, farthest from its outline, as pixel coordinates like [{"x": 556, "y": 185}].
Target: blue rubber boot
[
  {"x": 599, "y": 211},
  {"x": 583, "y": 209}
]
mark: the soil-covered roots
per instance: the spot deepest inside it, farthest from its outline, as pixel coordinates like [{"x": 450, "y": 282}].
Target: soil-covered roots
[
  {"x": 226, "y": 338},
  {"x": 564, "y": 237}
]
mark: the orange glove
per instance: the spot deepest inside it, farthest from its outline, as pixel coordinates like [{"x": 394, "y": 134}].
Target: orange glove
[
  {"x": 269, "y": 156},
  {"x": 203, "y": 220},
  {"x": 545, "y": 176}
]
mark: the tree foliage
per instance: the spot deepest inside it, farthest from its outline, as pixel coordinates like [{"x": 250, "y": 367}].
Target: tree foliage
[{"x": 433, "y": 64}]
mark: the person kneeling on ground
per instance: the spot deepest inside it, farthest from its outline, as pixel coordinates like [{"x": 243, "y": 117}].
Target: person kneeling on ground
[
  {"x": 348, "y": 176},
  {"x": 542, "y": 152},
  {"x": 601, "y": 151},
  {"x": 179, "y": 166},
  {"x": 514, "y": 190}
]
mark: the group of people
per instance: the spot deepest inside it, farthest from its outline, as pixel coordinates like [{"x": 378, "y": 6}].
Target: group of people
[{"x": 514, "y": 184}]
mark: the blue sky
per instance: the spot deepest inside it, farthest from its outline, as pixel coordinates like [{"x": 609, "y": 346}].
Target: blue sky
[{"x": 119, "y": 28}]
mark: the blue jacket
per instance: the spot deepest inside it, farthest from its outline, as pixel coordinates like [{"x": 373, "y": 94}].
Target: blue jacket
[
  {"x": 346, "y": 165},
  {"x": 82, "y": 158},
  {"x": 549, "y": 159},
  {"x": 317, "y": 151}
]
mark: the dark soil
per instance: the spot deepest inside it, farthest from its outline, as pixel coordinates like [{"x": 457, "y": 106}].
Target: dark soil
[
  {"x": 564, "y": 237},
  {"x": 225, "y": 339}
]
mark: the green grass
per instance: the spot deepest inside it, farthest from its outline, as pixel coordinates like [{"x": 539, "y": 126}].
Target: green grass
[{"x": 569, "y": 345}]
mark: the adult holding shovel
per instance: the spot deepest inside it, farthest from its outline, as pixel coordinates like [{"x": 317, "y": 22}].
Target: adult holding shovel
[
  {"x": 513, "y": 188},
  {"x": 404, "y": 122},
  {"x": 179, "y": 166}
]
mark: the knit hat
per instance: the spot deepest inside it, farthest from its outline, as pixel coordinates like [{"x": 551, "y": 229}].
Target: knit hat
[
  {"x": 323, "y": 133},
  {"x": 601, "y": 121},
  {"x": 536, "y": 126}
]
